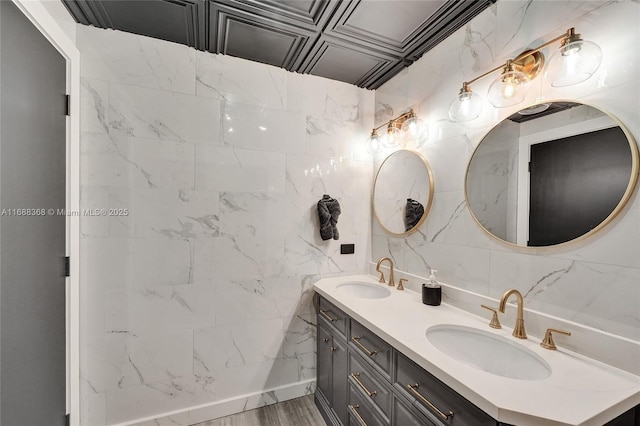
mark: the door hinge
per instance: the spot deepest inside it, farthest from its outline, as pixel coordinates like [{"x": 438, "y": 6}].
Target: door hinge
[
  {"x": 67, "y": 266},
  {"x": 67, "y": 106},
  {"x": 67, "y": 420}
]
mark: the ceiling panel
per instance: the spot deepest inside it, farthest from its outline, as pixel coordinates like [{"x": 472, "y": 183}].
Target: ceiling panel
[
  {"x": 362, "y": 42},
  {"x": 351, "y": 64},
  {"x": 390, "y": 24},
  {"x": 245, "y": 34}
]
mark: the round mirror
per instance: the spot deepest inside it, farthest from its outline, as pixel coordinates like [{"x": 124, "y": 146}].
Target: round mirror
[
  {"x": 550, "y": 174},
  {"x": 402, "y": 192}
]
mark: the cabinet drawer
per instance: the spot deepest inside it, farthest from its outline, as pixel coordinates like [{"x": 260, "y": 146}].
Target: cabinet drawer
[
  {"x": 435, "y": 398},
  {"x": 362, "y": 376},
  {"x": 405, "y": 416},
  {"x": 332, "y": 315},
  {"x": 361, "y": 412},
  {"x": 374, "y": 350}
]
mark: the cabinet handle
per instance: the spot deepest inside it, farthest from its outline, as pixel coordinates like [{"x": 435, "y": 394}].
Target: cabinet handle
[
  {"x": 325, "y": 340},
  {"x": 354, "y": 410},
  {"x": 356, "y": 340},
  {"x": 413, "y": 389},
  {"x": 364, "y": 388},
  {"x": 325, "y": 314}
]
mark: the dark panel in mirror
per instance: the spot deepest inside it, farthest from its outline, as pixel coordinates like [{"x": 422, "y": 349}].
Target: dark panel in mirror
[{"x": 594, "y": 159}]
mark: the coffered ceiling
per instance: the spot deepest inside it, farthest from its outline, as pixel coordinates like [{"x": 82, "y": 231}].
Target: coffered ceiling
[{"x": 362, "y": 42}]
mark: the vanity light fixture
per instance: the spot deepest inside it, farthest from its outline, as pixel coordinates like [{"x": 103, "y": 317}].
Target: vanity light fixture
[
  {"x": 405, "y": 127},
  {"x": 574, "y": 61}
]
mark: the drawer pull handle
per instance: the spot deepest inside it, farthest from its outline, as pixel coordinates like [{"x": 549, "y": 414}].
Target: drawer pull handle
[
  {"x": 443, "y": 416},
  {"x": 356, "y": 340},
  {"x": 325, "y": 314},
  {"x": 355, "y": 377},
  {"x": 354, "y": 410},
  {"x": 325, "y": 340}
]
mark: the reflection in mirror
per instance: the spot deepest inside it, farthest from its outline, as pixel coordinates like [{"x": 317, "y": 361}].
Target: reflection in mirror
[
  {"x": 551, "y": 173},
  {"x": 402, "y": 192}
]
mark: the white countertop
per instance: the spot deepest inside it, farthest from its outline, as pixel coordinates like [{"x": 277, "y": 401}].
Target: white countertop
[{"x": 579, "y": 391}]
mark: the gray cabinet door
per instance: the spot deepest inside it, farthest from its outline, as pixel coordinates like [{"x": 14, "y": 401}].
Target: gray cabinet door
[
  {"x": 340, "y": 366},
  {"x": 325, "y": 354},
  {"x": 32, "y": 237}
]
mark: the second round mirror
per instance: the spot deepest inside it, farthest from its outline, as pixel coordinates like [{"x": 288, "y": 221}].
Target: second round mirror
[{"x": 403, "y": 192}]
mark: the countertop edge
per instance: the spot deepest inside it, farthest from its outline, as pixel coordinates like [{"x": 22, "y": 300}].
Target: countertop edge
[{"x": 499, "y": 413}]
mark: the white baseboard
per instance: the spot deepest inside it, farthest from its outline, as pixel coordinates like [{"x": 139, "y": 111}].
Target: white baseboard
[{"x": 214, "y": 410}]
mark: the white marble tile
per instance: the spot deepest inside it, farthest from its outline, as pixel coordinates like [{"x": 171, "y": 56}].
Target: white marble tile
[
  {"x": 227, "y": 169},
  {"x": 340, "y": 176},
  {"x": 92, "y": 406},
  {"x": 118, "y": 160},
  {"x": 130, "y": 404},
  {"x": 156, "y": 114},
  {"x": 94, "y": 103},
  {"x": 241, "y": 258},
  {"x": 450, "y": 222},
  {"x": 521, "y": 22},
  {"x": 208, "y": 73},
  {"x": 125, "y": 360},
  {"x": 256, "y": 215},
  {"x": 137, "y": 60},
  {"x": 250, "y": 378},
  {"x": 299, "y": 335},
  {"x": 161, "y": 357},
  {"x": 251, "y": 300},
  {"x": 164, "y": 213},
  {"x": 105, "y": 263},
  {"x": 462, "y": 266},
  {"x": 160, "y": 261},
  {"x": 236, "y": 345},
  {"x": 328, "y": 99},
  {"x": 94, "y": 198},
  {"x": 601, "y": 296},
  {"x": 266, "y": 129},
  {"x": 310, "y": 255},
  {"x": 102, "y": 160},
  {"x": 161, "y": 310},
  {"x": 241, "y": 81}
]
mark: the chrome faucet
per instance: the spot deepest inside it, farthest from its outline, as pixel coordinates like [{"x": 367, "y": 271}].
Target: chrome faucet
[
  {"x": 391, "y": 283},
  {"x": 518, "y": 330}
]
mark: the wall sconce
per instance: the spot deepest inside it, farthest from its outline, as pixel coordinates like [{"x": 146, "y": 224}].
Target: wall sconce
[
  {"x": 573, "y": 62},
  {"x": 399, "y": 131}
]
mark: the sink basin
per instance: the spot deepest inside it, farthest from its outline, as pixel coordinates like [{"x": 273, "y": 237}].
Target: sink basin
[
  {"x": 488, "y": 352},
  {"x": 364, "y": 290}
]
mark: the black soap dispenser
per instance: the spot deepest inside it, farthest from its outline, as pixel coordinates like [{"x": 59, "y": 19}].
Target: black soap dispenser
[{"x": 432, "y": 291}]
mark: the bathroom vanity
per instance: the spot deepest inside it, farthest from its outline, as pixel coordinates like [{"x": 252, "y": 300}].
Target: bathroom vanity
[{"x": 378, "y": 366}]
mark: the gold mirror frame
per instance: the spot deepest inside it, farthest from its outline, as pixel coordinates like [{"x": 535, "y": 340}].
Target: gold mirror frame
[
  {"x": 633, "y": 179},
  {"x": 429, "y": 201}
]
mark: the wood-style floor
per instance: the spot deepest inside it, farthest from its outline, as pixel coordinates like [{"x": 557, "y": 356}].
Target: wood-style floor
[{"x": 295, "y": 412}]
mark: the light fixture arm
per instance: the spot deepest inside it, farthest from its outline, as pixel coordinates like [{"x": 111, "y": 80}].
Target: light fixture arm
[
  {"x": 570, "y": 34},
  {"x": 398, "y": 120}
]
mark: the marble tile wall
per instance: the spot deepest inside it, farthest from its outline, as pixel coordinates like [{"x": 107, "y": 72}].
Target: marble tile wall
[
  {"x": 595, "y": 282},
  {"x": 196, "y": 289}
]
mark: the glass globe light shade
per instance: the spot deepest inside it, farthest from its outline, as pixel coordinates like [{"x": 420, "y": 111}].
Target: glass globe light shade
[
  {"x": 374, "y": 143},
  {"x": 573, "y": 63},
  {"x": 508, "y": 89},
  {"x": 466, "y": 106},
  {"x": 414, "y": 129},
  {"x": 392, "y": 136}
]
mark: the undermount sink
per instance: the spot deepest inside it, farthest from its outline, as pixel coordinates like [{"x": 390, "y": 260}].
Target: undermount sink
[
  {"x": 488, "y": 352},
  {"x": 363, "y": 290}
]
